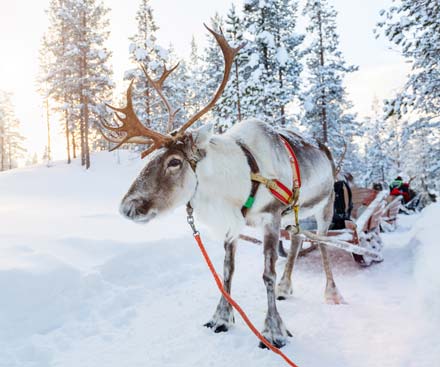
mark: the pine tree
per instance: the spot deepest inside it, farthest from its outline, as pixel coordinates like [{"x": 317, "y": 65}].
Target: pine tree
[
  {"x": 11, "y": 141},
  {"x": 325, "y": 99},
  {"x": 421, "y": 141},
  {"x": 177, "y": 87},
  {"x": 273, "y": 67},
  {"x": 414, "y": 27},
  {"x": 213, "y": 72},
  {"x": 196, "y": 87},
  {"x": 55, "y": 68},
  {"x": 76, "y": 69},
  {"x": 378, "y": 158},
  {"x": 230, "y": 107},
  {"x": 145, "y": 51}
]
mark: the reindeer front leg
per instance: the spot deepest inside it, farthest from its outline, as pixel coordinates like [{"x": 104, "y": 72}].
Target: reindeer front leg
[
  {"x": 223, "y": 317},
  {"x": 274, "y": 330}
]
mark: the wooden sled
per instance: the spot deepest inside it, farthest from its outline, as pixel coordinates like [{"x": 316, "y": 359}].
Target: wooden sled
[
  {"x": 361, "y": 235},
  {"x": 392, "y": 208},
  {"x": 373, "y": 212}
]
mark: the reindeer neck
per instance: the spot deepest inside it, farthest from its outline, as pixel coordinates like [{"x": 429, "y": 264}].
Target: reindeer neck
[{"x": 223, "y": 183}]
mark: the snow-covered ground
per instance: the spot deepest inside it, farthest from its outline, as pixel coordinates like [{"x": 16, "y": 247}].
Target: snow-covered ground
[{"x": 81, "y": 286}]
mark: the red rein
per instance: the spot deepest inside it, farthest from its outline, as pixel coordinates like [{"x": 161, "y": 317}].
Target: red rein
[{"x": 235, "y": 304}]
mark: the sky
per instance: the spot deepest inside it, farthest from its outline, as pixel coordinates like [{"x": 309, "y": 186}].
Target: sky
[{"x": 23, "y": 22}]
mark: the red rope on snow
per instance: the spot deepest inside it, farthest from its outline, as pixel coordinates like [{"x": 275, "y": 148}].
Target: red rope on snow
[{"x": 235, "y": 304}]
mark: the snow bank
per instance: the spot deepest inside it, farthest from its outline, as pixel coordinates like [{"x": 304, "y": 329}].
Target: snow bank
[
  {"x": 82, "y": 286},
  {"x": 427, "y": 262}
]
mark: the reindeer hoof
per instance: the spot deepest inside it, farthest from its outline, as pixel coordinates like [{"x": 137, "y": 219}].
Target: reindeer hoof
[
  {"x": 284, "y": 291},
  {"x": 278, "y": 340},
  {"x": 333, "y": 297},
  {"x": 278, "y": 343},
  {"x": 217, "y": 328}
]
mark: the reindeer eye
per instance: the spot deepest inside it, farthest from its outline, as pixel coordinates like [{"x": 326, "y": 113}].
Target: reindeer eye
[{"x": 174, "y": 162}]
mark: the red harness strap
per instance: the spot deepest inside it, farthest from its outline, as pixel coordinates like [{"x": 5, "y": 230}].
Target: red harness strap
[
  {"x": 277, "y": 188},
  {"x": 293, "y": 162}
]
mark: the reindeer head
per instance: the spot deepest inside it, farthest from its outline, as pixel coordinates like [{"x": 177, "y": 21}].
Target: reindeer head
[{"x": 169, "y": 178}]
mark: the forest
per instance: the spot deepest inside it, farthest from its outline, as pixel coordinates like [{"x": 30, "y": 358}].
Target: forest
[{"x": 287, "y": 76}]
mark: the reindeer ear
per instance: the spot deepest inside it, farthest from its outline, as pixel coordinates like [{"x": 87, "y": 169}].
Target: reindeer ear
[{"x": 202, "y": 135}]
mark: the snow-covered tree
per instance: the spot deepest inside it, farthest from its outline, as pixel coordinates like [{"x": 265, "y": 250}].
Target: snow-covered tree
[
  {"x": 271, "y": 74},
  {"x": 144, "y": 50},
  {"x": 325, "y": 99},
  {"x": 11, "y": 141},
  {"x": 177, "y": 88},
  {"x": 55, "y": 70},
  {"x": 414, "y": 27},
  {"x": 213, "y": 71},
  {"x": 77, "y": 72},
  {"x": 196, "y": 79},
  {"x": 378, "y": 160},
  {"x": 420, "y": 140},
  {"x": 230, "y": 107}
]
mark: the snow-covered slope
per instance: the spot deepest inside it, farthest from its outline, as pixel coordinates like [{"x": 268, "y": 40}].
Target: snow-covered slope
[{"x": 81, "y": 286}]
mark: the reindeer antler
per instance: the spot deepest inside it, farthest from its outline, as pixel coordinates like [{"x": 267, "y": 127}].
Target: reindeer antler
[
  {"x": 134, "y": 130},
  {"x": 157, "y": 85},
  {"x": 228, "y": 55}
]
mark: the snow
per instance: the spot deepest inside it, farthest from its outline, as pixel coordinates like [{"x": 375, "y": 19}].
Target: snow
[
  {"x": 140, "y": 54},
  {"x": 282, "y": 56},
  {"x": 81, "y": 286},
  {"x": 267, "y": 38},
  {"x": 308, "y": 103},
  {"x": 102, "y": 54},
  {"x": 254, "y": 60}
]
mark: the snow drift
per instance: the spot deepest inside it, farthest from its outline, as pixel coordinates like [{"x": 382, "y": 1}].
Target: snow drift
[{"x": 82, "y": 286}]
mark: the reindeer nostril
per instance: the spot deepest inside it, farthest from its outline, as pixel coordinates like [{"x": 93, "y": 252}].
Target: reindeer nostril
[
  {"x": 142, "y": 206},
  {"x": 135, "y": 207}
]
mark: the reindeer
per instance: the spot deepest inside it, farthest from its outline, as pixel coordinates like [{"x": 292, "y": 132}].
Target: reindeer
[{"x": 212, "y": 174}]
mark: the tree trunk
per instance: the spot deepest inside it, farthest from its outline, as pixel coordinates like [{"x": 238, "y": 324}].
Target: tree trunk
[
  {"x": 86, "y": 132},
  {"x": 49, "y": 152},
  {"x": 83, "y": 147},
  {"x": 66, "y": 116},
  {"x": 282, "y": 107},
  {"x": 323, "y": 96},
  {"x": 82, "y": 89},
  {"x": 2, "y": 149},
  {"x": 237, "y": 89},
  {"x": 10, "y": 155},
  {"x": 73, "y": 144}
]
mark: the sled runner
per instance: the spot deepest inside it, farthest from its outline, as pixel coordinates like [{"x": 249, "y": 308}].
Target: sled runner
[{"x": 372, "y": 210}]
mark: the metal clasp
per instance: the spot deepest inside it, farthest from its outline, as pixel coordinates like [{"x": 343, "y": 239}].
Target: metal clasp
[{"x": 190, "y": 219}]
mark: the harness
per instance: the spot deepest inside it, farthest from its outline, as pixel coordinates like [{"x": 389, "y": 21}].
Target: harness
[
  {"x": 276, "y": 187},
  {"x": 281, "y": 192}
]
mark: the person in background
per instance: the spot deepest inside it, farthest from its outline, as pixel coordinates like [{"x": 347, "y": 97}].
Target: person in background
[
  {"x": 396, "y": 184},
  {"x": 398, "y": 187},
  {"x": 406, "y": 192}
]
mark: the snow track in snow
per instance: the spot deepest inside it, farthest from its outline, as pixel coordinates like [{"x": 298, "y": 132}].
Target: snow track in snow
[{"x": 81, "y": 286}]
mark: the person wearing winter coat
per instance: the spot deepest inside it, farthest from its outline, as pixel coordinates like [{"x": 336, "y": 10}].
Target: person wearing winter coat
[
  {"x": 396, "y": 184},
  {"x": 398, "y": 187}
]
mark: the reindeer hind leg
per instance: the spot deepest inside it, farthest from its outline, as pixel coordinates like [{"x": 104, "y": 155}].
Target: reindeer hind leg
[
  {"x": 284, "y": 288},
  {"x": 323, "y": 219}
]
